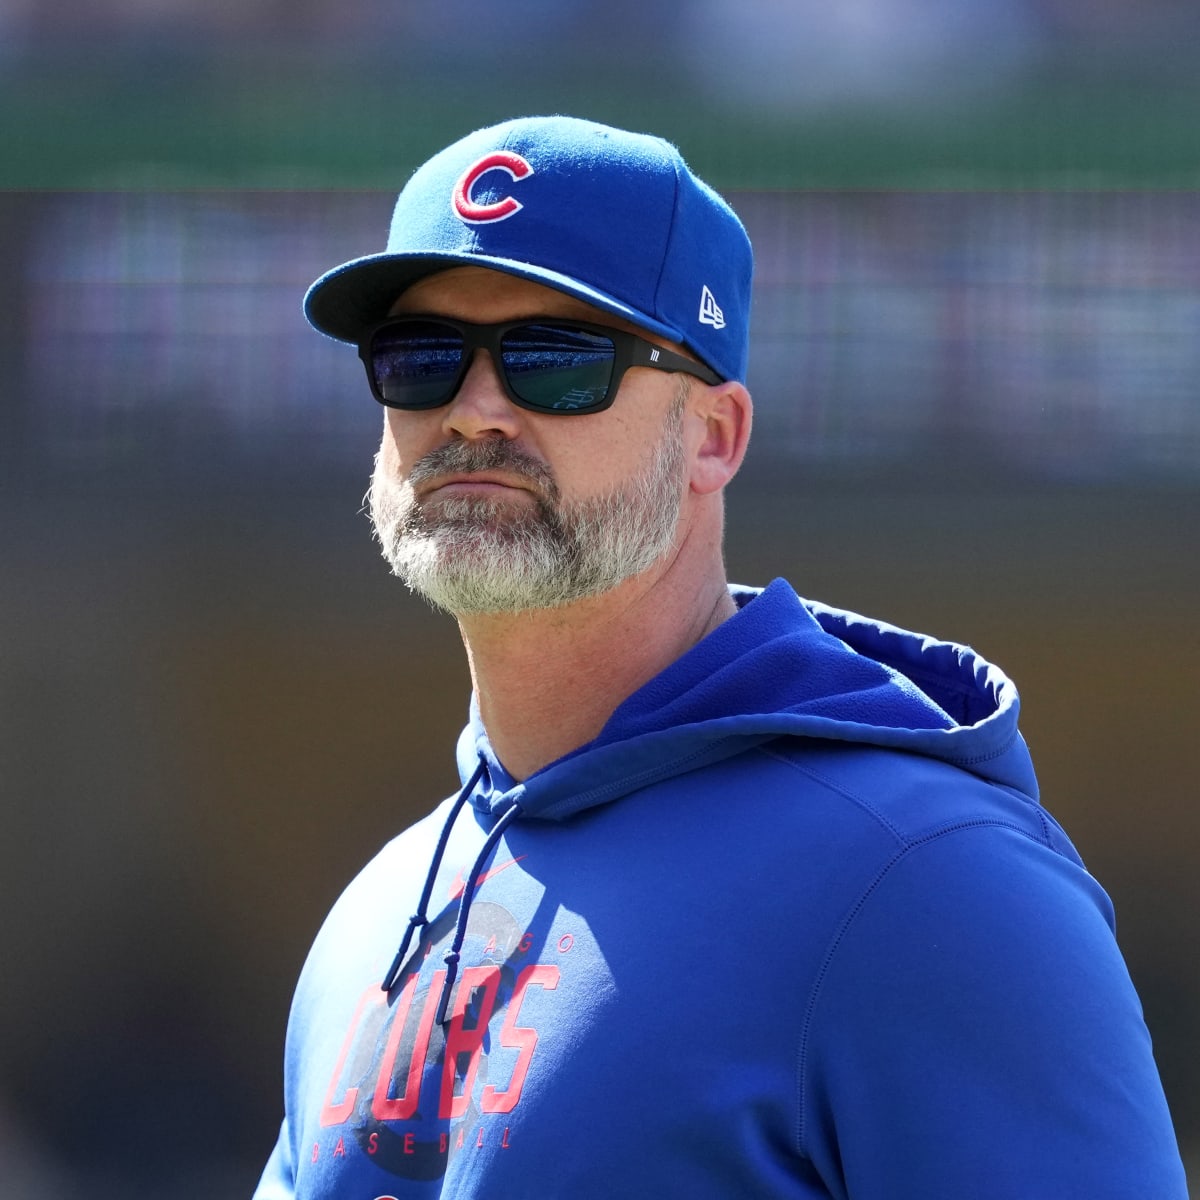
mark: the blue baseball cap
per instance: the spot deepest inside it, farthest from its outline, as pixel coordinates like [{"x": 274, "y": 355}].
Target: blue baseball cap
[{"x": 614, "y": 218}]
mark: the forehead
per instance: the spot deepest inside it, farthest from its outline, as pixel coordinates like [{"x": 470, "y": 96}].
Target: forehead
[{"x": 483, "y": 295}]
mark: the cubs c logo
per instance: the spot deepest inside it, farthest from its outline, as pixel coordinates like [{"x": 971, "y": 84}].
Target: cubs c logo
[{"x": 499, "y": 160}]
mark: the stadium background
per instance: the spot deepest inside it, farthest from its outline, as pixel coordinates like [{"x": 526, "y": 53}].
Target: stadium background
[{"x": 976, "y": 361}]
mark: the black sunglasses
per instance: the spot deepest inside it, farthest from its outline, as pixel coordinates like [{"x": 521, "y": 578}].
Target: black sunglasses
[{"x": 545, "y": 365}]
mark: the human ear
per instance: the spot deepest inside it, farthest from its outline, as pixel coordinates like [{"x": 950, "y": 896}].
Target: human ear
[{"x": 722, "y": 414}]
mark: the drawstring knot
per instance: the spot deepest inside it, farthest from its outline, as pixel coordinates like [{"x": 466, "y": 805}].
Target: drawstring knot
[
  {"x": 464, "y": 906},
  {"x": 414, "y": 923}
]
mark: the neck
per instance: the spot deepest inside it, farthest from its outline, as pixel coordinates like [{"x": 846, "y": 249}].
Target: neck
[{"x": 547, "y": 680}]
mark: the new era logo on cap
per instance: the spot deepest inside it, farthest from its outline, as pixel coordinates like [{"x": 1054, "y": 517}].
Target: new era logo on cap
[{"x": 710, "y": 310}]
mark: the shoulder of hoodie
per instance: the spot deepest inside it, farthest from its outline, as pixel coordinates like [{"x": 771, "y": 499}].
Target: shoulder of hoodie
[
  {"x": 876, "y": 809},
  {"x": 912, "y": 797},
  {"x": 925, "y": 838}
]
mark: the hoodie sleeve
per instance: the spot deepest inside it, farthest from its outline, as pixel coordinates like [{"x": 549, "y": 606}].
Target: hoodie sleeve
[{"x": 976, "y": 1033}]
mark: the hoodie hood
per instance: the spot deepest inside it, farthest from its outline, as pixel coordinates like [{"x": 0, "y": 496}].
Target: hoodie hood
[{"x": 781, "y": 667}]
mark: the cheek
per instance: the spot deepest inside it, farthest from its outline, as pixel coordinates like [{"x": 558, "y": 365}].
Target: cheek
[
  {"x": 397, "y": 426},
  {"x": 404, "y": 440},
  {"x": 579, "y": 470},
  {"x": 627, "y": 442},
  {"x": 596, "y": 469},
  {"x": 389, "y": 454}
]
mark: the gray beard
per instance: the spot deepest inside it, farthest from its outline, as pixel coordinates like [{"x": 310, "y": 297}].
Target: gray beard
[{"x": 477, "y": 555}]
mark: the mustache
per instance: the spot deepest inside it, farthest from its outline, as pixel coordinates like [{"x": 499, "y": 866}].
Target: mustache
[{"x": 495, "y": 454}]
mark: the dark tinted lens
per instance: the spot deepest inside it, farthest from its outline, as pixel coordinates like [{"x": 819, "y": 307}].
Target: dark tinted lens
[
  {"x": 416, "y": 364},
  {"x": 558, "y": 368}
]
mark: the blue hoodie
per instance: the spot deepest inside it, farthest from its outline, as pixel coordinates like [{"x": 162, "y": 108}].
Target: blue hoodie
[{"x": 793, "y": 925}]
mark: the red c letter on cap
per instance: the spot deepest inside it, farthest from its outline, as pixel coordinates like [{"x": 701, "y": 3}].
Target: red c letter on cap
[{"x": 502, "y": 160}]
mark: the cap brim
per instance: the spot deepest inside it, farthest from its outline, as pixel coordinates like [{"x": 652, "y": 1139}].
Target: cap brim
[{"x": 346, "y": 301}]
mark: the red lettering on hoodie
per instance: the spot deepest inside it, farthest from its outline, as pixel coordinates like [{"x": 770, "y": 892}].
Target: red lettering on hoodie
[
  {"x": 402, "y": 1107},
  {"x": 518, "y": 1037},
  {"x": 462, "y": 1042},
  {"x": 335, "y": 1114}
]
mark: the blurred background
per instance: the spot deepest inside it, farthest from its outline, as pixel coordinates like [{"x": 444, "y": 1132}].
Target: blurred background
[{"x": 976, "y": 363}]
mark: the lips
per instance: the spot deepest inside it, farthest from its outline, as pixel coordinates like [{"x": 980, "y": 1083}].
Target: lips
[
  {"x": 479, "y": 482},
  {"x": 481, "y": 467}
]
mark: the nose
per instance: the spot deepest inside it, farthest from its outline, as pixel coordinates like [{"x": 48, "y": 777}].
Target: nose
[{"x": 480, "y": 409}]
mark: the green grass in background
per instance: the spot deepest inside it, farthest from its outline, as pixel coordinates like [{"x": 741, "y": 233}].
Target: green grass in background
[{"x": 178, "y": 120}]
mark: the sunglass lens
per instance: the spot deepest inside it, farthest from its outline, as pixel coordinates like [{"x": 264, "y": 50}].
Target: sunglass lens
[
  {"x": 558, "y": 368},
  {"x": 416, "y": 364}
]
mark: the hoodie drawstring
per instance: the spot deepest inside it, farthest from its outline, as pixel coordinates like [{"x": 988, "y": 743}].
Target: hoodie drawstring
[
  {"x": 419, "y": 918},
  {"x": 464, "y": 906}
]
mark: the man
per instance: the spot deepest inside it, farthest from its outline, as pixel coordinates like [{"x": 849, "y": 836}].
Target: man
[{"x": 741, "y": 895}]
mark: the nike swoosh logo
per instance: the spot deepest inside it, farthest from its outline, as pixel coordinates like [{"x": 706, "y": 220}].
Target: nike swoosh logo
[{"x": 460, "y": 884}]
